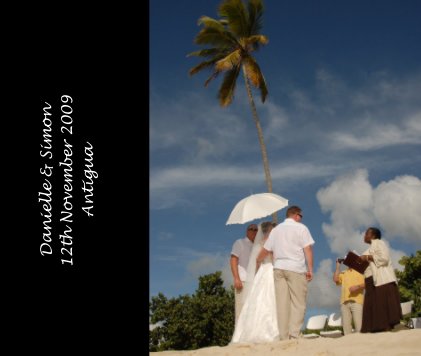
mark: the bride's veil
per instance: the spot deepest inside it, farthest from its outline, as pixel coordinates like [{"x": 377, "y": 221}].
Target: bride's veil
[{"x": 251, "y": 267}]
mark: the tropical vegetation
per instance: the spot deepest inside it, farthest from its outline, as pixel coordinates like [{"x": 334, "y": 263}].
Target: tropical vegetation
[
  {"x": 189, "y": 322},
  {"x": 409, "y": 281}
]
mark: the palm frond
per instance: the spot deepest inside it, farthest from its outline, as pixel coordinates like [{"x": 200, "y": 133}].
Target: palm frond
[
  {"x": 255, "y": 75},
  {"x": 252, "y": 70},
  {"x": 226, "y": 91},
  {"x": 255, "y": 10},
  {"x": 261, "y": 39},
  {"x": 230, "y": 40},
  {"x": 235, "y": 13},
  {"x": 231, "y": 37},
  {"x": 209, "y": 52},
  {"x": 210, "y": 22},
  {"x": 200, "y": 67},
  {"x": 213, "y": 76},
  {"x": 228, "y": 62},
  {"x": 205, "y": 64},
  {"x": 263, "y": 89},
  {"x": 253, "y": 43},
  {"x": 214, "y": 37}
]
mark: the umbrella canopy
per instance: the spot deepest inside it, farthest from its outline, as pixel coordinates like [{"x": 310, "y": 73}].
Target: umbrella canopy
[{"x": 256, "y": 206}]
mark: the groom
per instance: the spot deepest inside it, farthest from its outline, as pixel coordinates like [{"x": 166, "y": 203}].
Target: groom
[
  {"x": 239, "y": 260},
  {"x": 291, "y": 244}
]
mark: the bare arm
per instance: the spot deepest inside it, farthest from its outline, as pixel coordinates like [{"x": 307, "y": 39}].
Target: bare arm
[
  {"x": 260, "y": 257},
  {"x": 308, "y": 252},
  {"x": 336, "y": 273},
  {"x": 234, "y": 269},
  {"x": 357, "y": 288}
]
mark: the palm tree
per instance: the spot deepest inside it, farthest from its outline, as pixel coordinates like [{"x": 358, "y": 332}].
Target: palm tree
[{"x": 232, "y": 39}]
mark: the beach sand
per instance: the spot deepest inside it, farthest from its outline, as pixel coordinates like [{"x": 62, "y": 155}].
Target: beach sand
[{"x": 403, "y": 342}]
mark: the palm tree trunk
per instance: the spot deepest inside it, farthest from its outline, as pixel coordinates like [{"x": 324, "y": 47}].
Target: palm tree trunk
[{"x": 261, "y": 140}]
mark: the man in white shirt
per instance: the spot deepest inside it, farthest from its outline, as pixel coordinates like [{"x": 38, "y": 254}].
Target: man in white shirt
[
  {"x": 292, "y": 246},
  {"x": 239, "y": 260}
]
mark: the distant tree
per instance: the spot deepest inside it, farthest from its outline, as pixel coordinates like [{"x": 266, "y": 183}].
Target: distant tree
[
  {"x": 190, "y": 322},
  {"x": 409, "y": 281},
  {"x": 232, "y": 39}
]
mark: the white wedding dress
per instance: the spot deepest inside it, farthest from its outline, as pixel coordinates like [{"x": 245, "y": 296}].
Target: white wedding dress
[{"x": 257, "y": 322}]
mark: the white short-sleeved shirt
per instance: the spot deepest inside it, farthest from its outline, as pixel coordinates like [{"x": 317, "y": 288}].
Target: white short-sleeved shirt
[
  {"x": 287, "y": 241},
  {"x": 242, "y": 249}
]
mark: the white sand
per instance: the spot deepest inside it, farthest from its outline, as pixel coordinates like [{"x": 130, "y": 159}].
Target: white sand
[{"x": 403, "y": 342}]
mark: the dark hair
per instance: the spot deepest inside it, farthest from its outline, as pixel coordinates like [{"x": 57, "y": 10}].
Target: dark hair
[
  {"x": 292, "y": 210},
  {"x": 376, "y": 232}
]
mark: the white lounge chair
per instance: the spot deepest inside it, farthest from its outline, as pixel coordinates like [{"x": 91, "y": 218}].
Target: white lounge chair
[
  {"x": 335, "y": 320},
  {"x": 316, "y": 322},
  {"x": 406, "y": 308},
  {"x": 406, "y": 312}
]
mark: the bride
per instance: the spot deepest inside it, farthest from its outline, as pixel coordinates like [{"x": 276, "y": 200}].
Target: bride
[{"x": 257, "y": 321}]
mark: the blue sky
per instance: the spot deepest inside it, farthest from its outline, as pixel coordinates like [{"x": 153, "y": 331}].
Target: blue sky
[{"x": 342, "y": 126}]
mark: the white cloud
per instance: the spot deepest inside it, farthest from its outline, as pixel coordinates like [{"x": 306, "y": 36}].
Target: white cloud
[
  {"x": 173, "y": 186},
  {"x": 354, "y": 205},
  {"x": 194, "y": 128},
  {"x": 322, "y": 291},
  {"x": 349, "y": 201},
  {"x": 398, "y": 208},
  {"x": 301, "y": 101},
  {"x": 413, "y": 123},
  {"x": 370, "y": 135},
  {"x": 341, "y": 239},
  {"x": 395, "y": 256},
  {"x": 209, "y": 264},
  {"x": 202, "y": 176},
  {"x": 189, "y": 176},
  {"x": 198, "y": 263},
  {"x": 196, "y": 144},
  {"x": 330, "y": 86},
  {"x": 381, "y": 111},
  {"x": 273, "y": 120}
]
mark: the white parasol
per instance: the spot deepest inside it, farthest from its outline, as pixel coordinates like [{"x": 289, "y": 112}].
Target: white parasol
[{"x": 256, "y": 206}]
